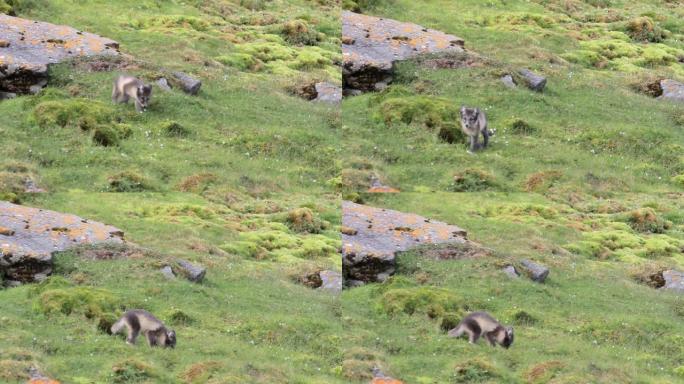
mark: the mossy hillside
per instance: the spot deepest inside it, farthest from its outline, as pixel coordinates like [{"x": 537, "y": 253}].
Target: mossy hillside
[
  {"x": 283, "y": 38},
  {"x": 589, "y": 121},
  {"x": 190, "y": 178},
  {"x": 592, "y": 307},
  {"x": 252, "y": 317}
]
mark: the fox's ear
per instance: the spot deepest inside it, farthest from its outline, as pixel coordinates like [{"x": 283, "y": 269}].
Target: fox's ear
[{"x": 463, "y": 109}]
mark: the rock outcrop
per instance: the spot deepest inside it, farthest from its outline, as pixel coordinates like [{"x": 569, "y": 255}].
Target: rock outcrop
[
  {"x": 375, "y": 236},
  {"x": 331, "y": 281},
  {"x": 33, "y": 45},
  {"x": 31, "y": 236},
  {"x": 671, "y": 90},
  {"x": 674, "y": 280},
  {"x": 371, "y": 46}
]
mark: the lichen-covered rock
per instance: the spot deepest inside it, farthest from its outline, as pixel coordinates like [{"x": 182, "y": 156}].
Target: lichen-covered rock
[
  {"x": 371, "y": 46},
  {"x": 376, "y": 235},
  {"x": 31, "y": 236},
  {"x": 671, "y": 90},
  {"x": 33, "y": 45},
  {"x": 674, "y": 280},
  {"x": 328, "y": 93}
]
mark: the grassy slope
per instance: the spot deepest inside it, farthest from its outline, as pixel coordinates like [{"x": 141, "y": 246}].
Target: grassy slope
[
  {"x": 563, "y": 195},
  {"x": 218, "y": 195},
  {"x": 631, "y": 141}
]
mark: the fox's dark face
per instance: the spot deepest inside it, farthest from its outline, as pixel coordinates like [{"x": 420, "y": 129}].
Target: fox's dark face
[
  {"x": 469, "y": 117},
  {"x": 171, "y": 339},
  {"x": 144, "y": 95},
  {"x": 508, "y": 339}
]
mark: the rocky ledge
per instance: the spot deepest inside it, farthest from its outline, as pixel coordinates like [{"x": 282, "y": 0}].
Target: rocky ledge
[
  {"x": 372, "y": 238},
  {"x": 29, "y": 237},
  {"x": 27, "y": 47},
  {"x": 371, "y": 46}
]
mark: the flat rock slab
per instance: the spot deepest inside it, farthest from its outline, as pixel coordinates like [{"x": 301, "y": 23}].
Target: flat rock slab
[
  {"x": 33, "y": 45},
  {"x": 31, "y": 236},
  {"x": 672, "y": 90},
  {"x": 371, "y": 46},
  {"x": 674, "y": 280},
  {"x": 374, "y": 236}
]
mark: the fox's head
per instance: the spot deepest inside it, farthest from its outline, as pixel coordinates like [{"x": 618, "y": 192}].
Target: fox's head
[{"x": 469, "y": 117}]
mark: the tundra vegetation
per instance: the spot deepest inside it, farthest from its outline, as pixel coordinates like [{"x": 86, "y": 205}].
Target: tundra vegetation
[
  {"x": 246, "y": 179},
  {"x": 232, "y": 179},
  {"x": 584, "y": 178}
]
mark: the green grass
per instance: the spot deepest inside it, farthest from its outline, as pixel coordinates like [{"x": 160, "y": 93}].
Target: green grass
[
  {"x": 590, "y": 322},
  {"x": 582, "y": 178},
  {"x": 589, "y": 124},
  {"x": 194, "y": 177},
  {"x": 246, "y": 177}
]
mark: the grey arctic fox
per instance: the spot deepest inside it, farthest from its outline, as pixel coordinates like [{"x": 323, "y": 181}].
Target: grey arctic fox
[
  {"x": 138, "y": 321},
  {"x": 130, "y": 87},
  {"x": 474, "y": 123},
  {"x": 479, "y": 324}
]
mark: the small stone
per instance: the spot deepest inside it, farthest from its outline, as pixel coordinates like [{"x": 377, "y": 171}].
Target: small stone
[
  {"x": 4, "y": 43},
  {"x": 7, "y": 95},
  {"x": 351, "y": 283},
  {"x": 674, "y": 280},
  {"x": 35, "y": 89},
  {"x": 188, "y": 83},
  {"x": 192, "y": 272},
  {"x": 168, "y": 272},
  {"x": 508, "y": 81},
  {"x": 534, "y": 82},
  {"x": 536, "y": 272},
  {"x": 163, "y": 84},
  {"x": 511, "y": 272}
]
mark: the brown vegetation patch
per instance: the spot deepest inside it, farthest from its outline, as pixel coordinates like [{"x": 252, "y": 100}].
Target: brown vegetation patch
[
  {"x": 455, "y": 251},
  {"x": 650, "y": 274},
  {"x": 199, "y": 371},
  {"x": 543, "y": 372}
]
